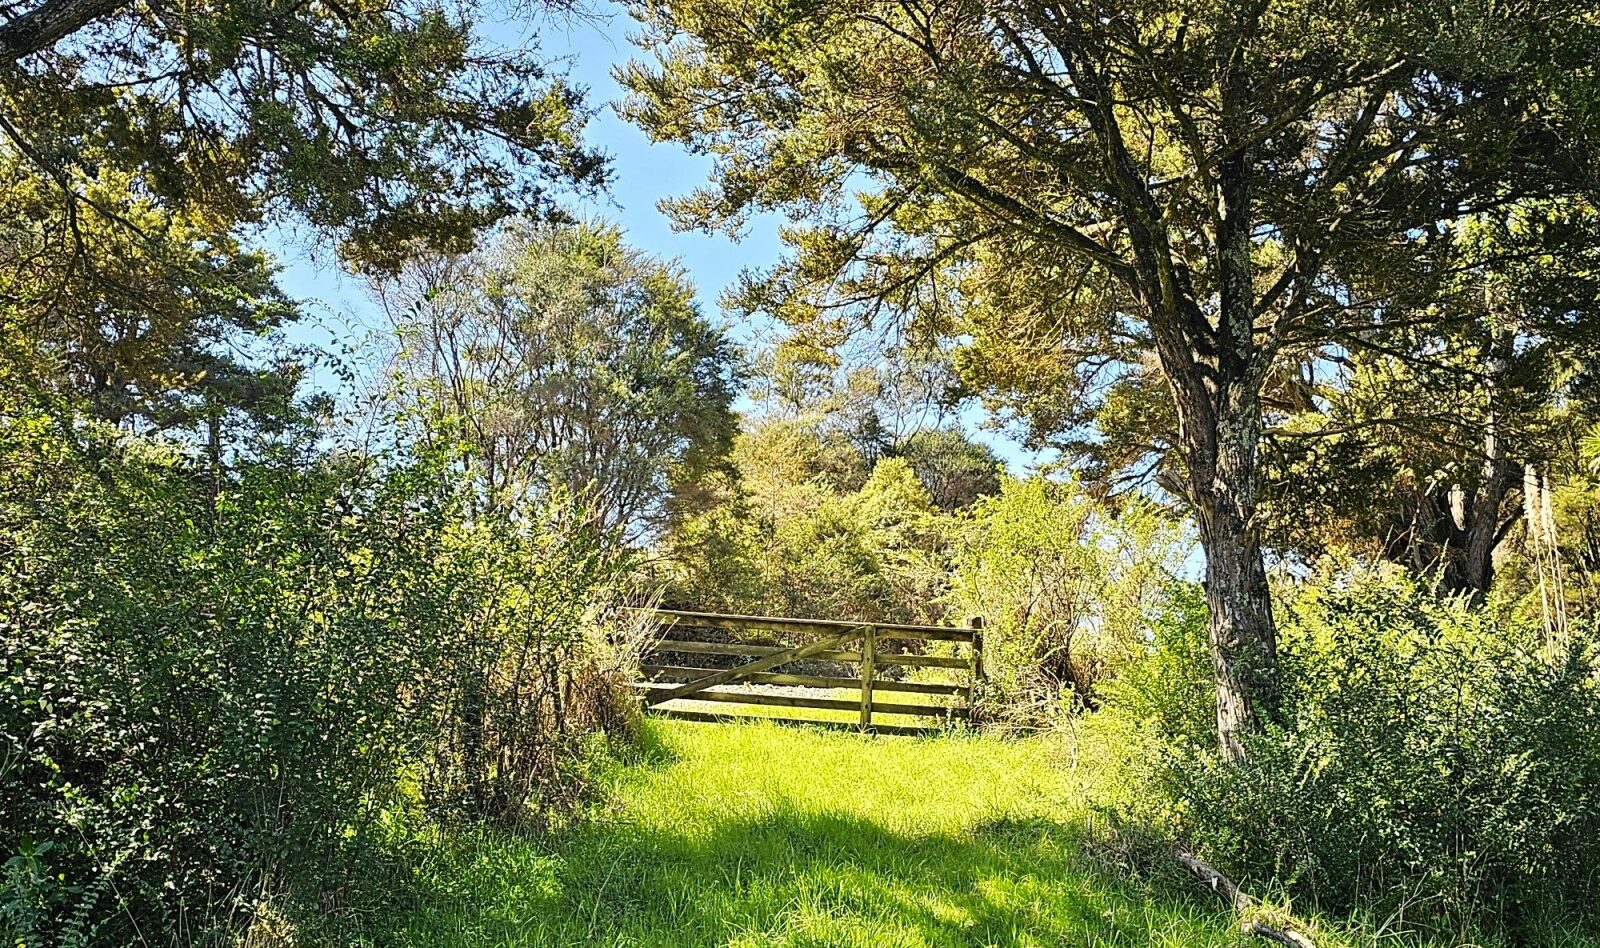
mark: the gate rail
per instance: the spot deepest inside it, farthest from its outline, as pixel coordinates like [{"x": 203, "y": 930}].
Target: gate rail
[{"x": 829, "y": 641}]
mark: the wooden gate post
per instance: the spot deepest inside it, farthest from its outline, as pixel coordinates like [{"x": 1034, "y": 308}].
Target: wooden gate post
[
  {"x": 975, "y": 673},
  {"x": 869, "y": 661}
]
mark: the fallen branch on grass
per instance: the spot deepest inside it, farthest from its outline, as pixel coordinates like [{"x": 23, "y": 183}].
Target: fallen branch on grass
[{"x": 1242, "y": 903}]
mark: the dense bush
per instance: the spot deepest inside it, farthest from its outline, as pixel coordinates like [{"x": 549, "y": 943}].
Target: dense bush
[
  {"x": 798, "y": 533},
  {"x": 1435, "y": 763},
  {"x": 531, "y": 666},
  {"x": 1068, "y": 587},
  {"x": 214, "y": 683}
]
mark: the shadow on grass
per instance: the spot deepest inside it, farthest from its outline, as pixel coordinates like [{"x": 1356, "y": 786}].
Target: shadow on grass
[{"x": 800, "y": 878}]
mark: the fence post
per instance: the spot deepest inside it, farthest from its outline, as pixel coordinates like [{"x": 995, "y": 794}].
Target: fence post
[
  {"x": 869, "y": 661},
  {"x": 975, "y": 673}
]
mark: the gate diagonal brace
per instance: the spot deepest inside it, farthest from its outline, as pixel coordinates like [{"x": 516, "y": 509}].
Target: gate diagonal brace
[{"x": 759, "y": 665}]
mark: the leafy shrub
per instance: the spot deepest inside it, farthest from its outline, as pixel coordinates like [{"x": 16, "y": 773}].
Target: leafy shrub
[
  {"x": 1068, "y": 590},
  {"x": 785, "y": 540},
  {"x": 528, "y": 674},
  {"x": 1435, "y": 763},
  {"x": 213, "y": 687}
]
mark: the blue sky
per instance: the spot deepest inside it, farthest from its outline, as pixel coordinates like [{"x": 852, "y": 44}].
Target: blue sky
[{"x": 642, "y": 174}]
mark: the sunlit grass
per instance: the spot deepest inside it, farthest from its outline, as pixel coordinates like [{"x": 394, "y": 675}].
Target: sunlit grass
[{"x": 756, "y": 835}]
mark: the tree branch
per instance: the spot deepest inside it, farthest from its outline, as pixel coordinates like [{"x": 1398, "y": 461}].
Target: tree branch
[
  {"x": 42, "y": 26},
  {"x": 1241, "y": 902}
]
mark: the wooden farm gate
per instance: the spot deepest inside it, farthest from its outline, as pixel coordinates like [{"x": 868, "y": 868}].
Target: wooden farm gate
[{"x": 874, "y": 649}]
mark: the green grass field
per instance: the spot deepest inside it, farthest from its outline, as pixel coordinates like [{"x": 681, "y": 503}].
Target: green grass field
[{"x": 758, "y": 835}]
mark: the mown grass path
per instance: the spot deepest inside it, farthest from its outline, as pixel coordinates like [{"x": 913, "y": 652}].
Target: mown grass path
[{"x": 758, "y": 835}]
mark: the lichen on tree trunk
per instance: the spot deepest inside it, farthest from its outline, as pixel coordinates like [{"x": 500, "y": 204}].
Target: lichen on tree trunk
[{"x": 1240, "y": 623}]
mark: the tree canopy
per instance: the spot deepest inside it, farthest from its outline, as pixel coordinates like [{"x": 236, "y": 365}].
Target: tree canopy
[
  {"x": 148, "y": 318},
  {"x": 146, "y": 148},
  {"x": 382, "y": 124},
  {"x": 559, "y": 355}
]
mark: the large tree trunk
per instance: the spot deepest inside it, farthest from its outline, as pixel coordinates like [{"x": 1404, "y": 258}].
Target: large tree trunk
[
  {"x": 1475, "y": 525},
  {"x": 1243, "y": 637},
  {"x": 1222, "y": 457},
  {"x": 1215, "y": 373},
  {"x": 1219, "y": 432}
]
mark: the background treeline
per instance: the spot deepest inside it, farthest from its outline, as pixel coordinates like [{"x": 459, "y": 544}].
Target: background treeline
[{"x": 825, "y": 513}]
